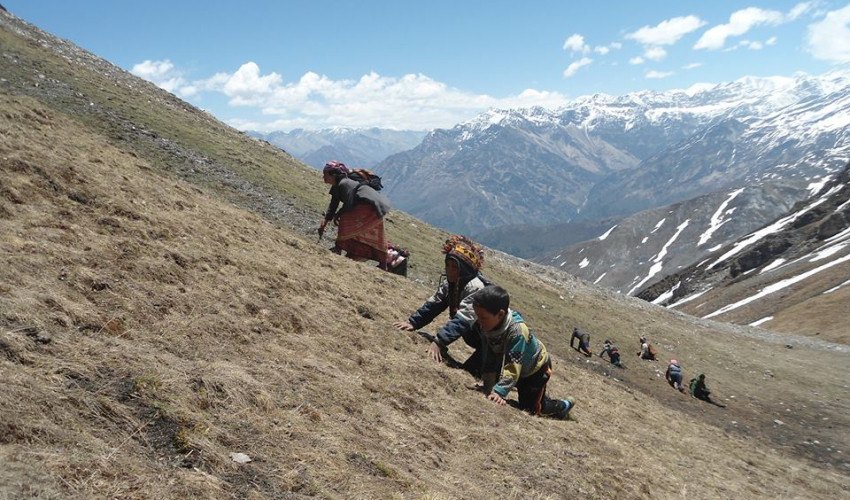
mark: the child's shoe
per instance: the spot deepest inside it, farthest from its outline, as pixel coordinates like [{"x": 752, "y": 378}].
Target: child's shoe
[{"x": 565, "y": 413}]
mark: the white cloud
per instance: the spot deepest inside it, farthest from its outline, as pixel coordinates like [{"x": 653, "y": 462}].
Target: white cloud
[
  {"x": 532, "y": 97},
  {"x": 800, "y": 9},
  {"x": 637, "y": 60},
  {"x": 692, "y": 65},
  {"x": 655, "y": 53},
  {"x": 153, "y": 70},
  {"x": 752, "y": 45},
  {"x": 189, "y": 91},
  {"x": 667, "y": 32},
  {"x": 606, "y": 49},
  {"x": 771, "y": 41},
  {"x": 572, "y": 68},
  {"x": 413, "y": 101},
  {"x": 829, "y": 39},
  {"x": 575, "y": 43},
  {"x": 246, "y": 84},
  {"x": 659, "y": 74},
  {"x": 163, "y": 74},
  {"x": 742, "y": 21},
  {"x": 214, "y": 82}
]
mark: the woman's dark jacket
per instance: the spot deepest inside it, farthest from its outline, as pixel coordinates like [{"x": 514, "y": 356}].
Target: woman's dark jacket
[{"x": 350, "y": 192}]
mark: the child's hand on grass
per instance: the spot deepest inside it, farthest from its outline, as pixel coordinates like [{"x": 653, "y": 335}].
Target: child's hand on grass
[{"x": 435, "y": 352}]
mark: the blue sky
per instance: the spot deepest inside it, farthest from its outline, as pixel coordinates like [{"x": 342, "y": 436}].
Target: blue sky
[{"x": 266, "y": 65}]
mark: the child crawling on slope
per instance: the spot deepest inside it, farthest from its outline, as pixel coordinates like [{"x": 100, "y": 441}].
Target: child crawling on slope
[{"x": 513, "y": 357}]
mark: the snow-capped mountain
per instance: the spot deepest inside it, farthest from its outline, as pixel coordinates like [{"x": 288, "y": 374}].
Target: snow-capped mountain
[
  {"x": 791, "y": 275},
  {"x": 354, "y": 146},
  {"x": 602, "y": 155},
  {"x": 798, "y": 129},
  {"x": 644, "y": 247}
]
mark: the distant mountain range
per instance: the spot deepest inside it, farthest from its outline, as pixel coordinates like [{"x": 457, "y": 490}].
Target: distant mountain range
[
  {"x": 602, "y": 155},
  {"x": 791, "y": 275},
  {"x": 359, "y": 147}
]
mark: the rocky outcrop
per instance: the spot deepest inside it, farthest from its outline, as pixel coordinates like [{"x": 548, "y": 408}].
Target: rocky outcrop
[{"x": 768, "y": 250}]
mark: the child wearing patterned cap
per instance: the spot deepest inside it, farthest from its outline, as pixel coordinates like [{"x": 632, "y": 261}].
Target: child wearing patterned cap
[{"x": 464, "y": 259}]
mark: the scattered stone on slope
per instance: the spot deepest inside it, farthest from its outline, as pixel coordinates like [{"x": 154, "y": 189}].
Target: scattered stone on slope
[{"x": 240, "y": 458}]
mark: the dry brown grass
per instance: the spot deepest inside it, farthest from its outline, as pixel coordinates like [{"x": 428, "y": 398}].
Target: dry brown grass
[{"x": 148, "y": 330}]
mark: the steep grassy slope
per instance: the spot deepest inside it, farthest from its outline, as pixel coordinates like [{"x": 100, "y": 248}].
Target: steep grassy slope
[
  {"x": 144, "y": 121},
  {"x": 158, "y": 313},
  {"x": 150, "y": 330}
]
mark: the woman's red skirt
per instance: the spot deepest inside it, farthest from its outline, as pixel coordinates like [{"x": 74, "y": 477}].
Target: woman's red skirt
[{"x": 361, "y": 234}]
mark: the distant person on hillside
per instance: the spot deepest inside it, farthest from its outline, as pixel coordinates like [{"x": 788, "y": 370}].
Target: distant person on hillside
[
  {"x": 613, "y": 353},
  {"x": 647, "y": 350},
  {"x": 700, "y": 391},
  {"x": 583, "y": 341},
  {"x": 674, "y": 376},
  {"x": 361, "y": 224},
  {"x": 513, "y": 357},
  {"x": 463, "y": 260}
]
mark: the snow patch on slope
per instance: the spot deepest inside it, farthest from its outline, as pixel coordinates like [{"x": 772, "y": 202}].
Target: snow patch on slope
[
  {"x": 717, "y": 219},
  {"x": 607, "y": 233},
  {"x": 658, "y": 264}
]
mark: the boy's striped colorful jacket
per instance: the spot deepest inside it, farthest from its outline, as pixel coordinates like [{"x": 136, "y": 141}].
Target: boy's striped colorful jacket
[{"x": 511, "y": 352}]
